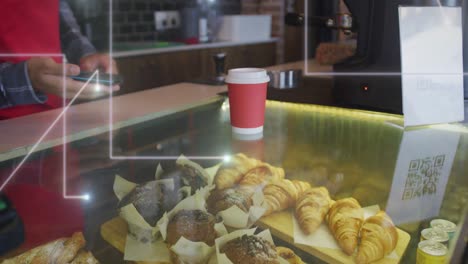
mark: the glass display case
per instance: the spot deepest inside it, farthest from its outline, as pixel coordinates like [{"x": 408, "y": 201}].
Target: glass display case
[{"x": 415, "y": 175}]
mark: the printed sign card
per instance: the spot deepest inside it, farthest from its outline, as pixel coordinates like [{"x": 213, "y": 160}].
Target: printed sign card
[
  {"x": 431, "y": 64},
  {"x": 422, "y": 170}
]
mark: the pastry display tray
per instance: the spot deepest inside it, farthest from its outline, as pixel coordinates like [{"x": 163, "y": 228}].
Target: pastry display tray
[{"x": 280, "y": 224}]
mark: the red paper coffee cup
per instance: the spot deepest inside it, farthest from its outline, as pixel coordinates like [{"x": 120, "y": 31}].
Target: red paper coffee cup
[{"x": 247, "y": 88}]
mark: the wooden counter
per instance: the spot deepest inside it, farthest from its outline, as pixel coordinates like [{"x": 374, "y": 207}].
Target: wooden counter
[
  {"x": 89, "y": 119},
  {"x": 19, "y": 135}
]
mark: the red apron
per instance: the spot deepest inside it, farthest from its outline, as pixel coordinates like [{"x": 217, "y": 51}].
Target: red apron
[
  {"x": 32, "y": 27},
  {"x": 29, "y": 27}
]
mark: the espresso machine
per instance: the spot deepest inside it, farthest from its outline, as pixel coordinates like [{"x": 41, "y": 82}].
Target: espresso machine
[
  {"x": 371, "y": 78},
  {"x": 362, "y": 81}
]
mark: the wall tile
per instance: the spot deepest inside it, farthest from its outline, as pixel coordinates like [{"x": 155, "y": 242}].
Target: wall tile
[
  {"x": 133, "y": 19},
  {"x": 140, "y": 5},
  {"x": 142, "y": 28}
]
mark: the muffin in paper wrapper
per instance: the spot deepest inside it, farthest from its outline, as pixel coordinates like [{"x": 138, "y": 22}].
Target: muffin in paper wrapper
[
  {"x": 187, "y": 251},
  {"x": 221, "y": 258},
  {"x": 235, "y": 218},
  {"x": 182, "y": 160},
  {"x": 144, "y": 242},
  {"x": 137, "y": 226}
]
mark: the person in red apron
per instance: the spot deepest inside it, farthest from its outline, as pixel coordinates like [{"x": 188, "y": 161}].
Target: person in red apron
[{"x": 31, "y": 84}]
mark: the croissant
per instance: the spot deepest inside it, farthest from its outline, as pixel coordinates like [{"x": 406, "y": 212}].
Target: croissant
[
  {"x": 233, "y": 171},
  {"x": 311, "y": 208},
  {"x": 261, "y": 175},
  {"x": 289, "y": 255},
  {"x": 301, "y": 187},
  {"x": 344, "y": 221},
  {"x": 279, "y": 196},
  {"x": 62, "y": 250},
  {"x": 378, "y": 238}
]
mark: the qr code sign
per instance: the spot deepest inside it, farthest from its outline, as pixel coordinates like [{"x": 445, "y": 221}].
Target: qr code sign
[{"x": 423, "y": 177}]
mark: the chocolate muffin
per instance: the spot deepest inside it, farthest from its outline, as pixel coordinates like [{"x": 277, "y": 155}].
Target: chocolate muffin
[
  {"x": 194, "y": 225},
  {"x": 220, "y": 200},
  {"x": 250, "y": 250},
  {"x": 147, "y": 199},
  {"x": 185, "y": 175}
]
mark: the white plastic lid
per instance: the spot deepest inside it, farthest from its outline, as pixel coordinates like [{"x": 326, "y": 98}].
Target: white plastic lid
[
  {"x": 247, "y": 137},
  {"x": 247, "y": 76},
  {"x": 246, "y": 131}
]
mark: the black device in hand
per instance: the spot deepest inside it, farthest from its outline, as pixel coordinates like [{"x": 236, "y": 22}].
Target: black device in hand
[{"x": 104, "y": 78}]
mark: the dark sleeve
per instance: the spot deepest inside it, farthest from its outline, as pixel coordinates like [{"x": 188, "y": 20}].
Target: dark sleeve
[
  {"x": 15, "y": 86},
  {"x": 74, "y": 44}
]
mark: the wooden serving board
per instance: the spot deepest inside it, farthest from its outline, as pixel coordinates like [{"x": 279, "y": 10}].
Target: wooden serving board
[{"x": 281, "y": 226}]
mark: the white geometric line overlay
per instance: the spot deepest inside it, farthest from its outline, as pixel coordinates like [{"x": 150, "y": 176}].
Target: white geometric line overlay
[
  {"x": 64, "y": 152},
  {"x": 51, "y": 126},
  {"x": 111, "y": 117}
]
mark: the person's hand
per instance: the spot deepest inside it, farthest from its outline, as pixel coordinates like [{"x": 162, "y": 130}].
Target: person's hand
[
  {"x": 98, "y": 61},
  {"x": 102, "y": 62},
  {"x": 47, "y": 76}
]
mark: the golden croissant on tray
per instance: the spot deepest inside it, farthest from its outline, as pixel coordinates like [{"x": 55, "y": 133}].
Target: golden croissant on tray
[
  {"x": 311, "y": 208},
  {"x": 378, "y": 238},
  {"x": 282, "y": 194},
  {"x": 301, "y": 187},
  {"x": 344, "y": 221},
  {"x": 261, "y": 175},
  {"x": 231, "y": 172},
  {"x": 246, "y": 171}
]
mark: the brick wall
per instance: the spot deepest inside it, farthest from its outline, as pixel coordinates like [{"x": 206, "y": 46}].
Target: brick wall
[
  {"x": 275, "y": 8},
  {"x": 133, "y": 19}
]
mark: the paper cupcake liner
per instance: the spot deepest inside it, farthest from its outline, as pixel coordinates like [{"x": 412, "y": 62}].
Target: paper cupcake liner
[
  {"x": 141, "y": 235},
  {"x": 146, "y": 252},
  {"x": 188, "y": 251},
  {"x": 137, "y": 225},
  {"x": 182, "y": 160},
  {"x": 235, "y": 218},
  {"x": 123, "y": 187},
  {"x": 144, "y": 242}
]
